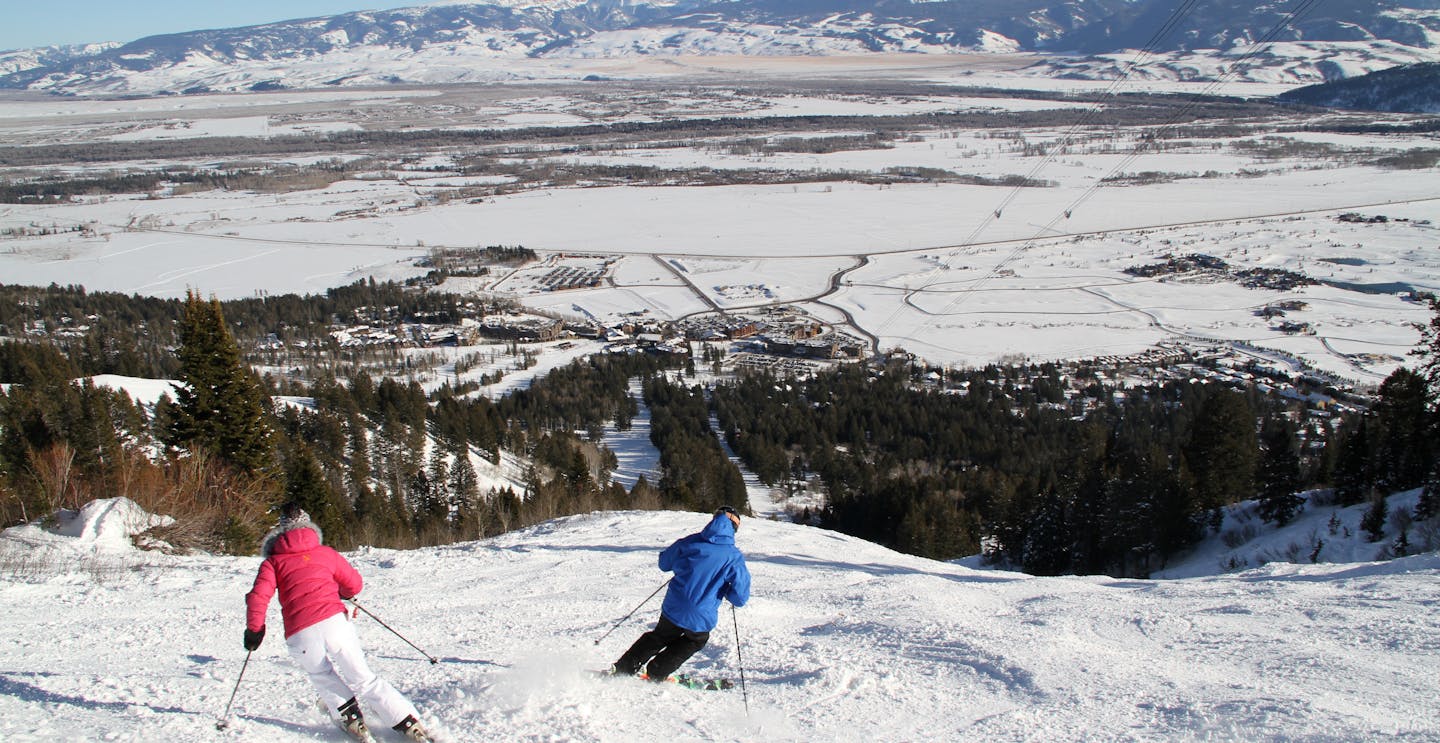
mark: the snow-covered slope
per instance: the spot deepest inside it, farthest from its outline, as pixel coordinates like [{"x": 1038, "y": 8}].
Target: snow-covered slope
[
  {"x": 452, "y": 41},
  {"x": 1328, "y": 532},
  {"x": 1409, "y": 88},
  {"x": 843, "y": 641},
  {"x": 1289, "y": 62}
]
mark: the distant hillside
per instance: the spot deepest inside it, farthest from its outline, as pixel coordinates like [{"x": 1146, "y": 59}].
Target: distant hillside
[
  {"x": 1407, "y": 89},
  {"x": 472, "y": 42}
]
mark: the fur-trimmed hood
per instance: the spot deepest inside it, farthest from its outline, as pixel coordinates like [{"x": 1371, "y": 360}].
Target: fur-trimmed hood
[{"x": 267, "y": 545}]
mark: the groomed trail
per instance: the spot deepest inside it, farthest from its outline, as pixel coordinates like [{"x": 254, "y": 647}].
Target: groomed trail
[{"x": 843, "y": 641}]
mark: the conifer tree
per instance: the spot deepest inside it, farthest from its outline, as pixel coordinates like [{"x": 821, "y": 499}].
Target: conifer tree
[
  {"x": 1428, "y": 506},
  {"x": 1354, "y": 465},
  {"x": 359, "y": 470},
  {"x": 1279, "y": 474},
  {"x": 221, "y": 407},
  {"x": 464, "y": 488},
  {"x": 433, "y": 506},
  {"x": 306, "y": 484},
  {"x": 1403, "y": 429},
  {"x": 1429, "y": 349},
  {"x": 1047, "y": 543},
  {"x": 1373, "y": 522},
  {"x": 1222, "y": 453}
]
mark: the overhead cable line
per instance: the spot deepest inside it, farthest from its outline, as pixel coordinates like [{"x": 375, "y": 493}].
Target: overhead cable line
[
  {"x": 1097, "y": 106},
  {"x": 1177, "y": 15},
  {"x": 1302, "y": 8}
]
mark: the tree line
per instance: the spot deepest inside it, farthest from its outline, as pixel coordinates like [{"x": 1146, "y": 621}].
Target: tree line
[
  {"x": 1092, "y": 484},
  {"x": 374, "y": 462},
  {"x": 1004, "y": 460}
]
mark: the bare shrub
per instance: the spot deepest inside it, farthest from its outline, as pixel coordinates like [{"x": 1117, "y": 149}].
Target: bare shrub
[
  {"x": 1295, "y": 552},
  {"x": 1427, "y": 535},
  {"x": 53, "y": 469},
  {"x": 215, "y": 509},
  {"x": 1236, "y": 537}
]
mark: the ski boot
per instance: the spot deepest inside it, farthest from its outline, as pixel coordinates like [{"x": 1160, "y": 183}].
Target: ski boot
[
  {"x": 413, "y": 730},
  {"x": 352, "y": 721}
]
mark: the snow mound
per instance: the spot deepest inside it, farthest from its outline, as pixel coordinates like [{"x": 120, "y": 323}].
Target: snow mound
[
  {"x": 106, "y": 525},
  {"x": 109, "y": 522}
]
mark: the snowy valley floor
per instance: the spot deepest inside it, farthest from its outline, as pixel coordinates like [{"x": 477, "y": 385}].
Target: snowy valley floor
[{"x": 843, "y": 641}]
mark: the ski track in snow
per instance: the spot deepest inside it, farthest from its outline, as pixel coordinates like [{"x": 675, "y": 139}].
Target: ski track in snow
[{"x": 843, "y": 641}]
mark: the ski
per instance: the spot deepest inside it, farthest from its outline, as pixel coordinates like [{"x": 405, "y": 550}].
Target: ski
[
  {"x": 684, "y": 679},
  {"x": 707, "y": 684}
]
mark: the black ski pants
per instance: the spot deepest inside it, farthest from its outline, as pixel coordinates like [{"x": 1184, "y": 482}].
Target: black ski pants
[{"x": 665, "y": 648}]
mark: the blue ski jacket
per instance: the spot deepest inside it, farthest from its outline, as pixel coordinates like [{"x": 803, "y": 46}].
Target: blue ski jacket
[{"x": 708, "y": 567}]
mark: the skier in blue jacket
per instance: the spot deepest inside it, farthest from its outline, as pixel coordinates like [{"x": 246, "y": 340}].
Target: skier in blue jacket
[{"x": 707, "y": 568}]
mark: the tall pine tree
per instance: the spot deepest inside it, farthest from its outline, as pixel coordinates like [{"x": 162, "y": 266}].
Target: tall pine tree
[
  {"x": 1222, "y": 453},
  {"x": 1279, "y": 473},
  {"x": 221, "y": 407},
  {"x": 1403, "y": 427}
]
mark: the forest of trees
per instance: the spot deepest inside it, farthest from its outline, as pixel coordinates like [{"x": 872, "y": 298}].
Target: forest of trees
[
  {"x": 375, "y": 462},
  {"x": 1054, "y": 486},
  {"x": 1015, "y": 467}
]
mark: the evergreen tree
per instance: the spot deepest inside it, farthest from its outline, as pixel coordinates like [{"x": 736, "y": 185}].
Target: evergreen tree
[
  {"x": 433, "y": 507},
  {"x": 1354, "y": 465},
  {"x": 359, "y": 459},
  {"x": 1047, "y": 543},
  {"x": 1279, "y": 473},
  {"x": 1428, "y": 506},
  {"x": 1373, "y": 522},
  {"x": 306, "y": 484},
  {"x": 221, "y": 407},
  {"x": 465, "y": 495},
  {"x": 1429, "y": 349},
  {"x": 1222, "y": 453},
  {"x": 1403, "y": 427}
]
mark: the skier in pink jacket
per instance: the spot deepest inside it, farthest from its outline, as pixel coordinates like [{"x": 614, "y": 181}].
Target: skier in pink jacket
[{"x": 312, "y": 580}]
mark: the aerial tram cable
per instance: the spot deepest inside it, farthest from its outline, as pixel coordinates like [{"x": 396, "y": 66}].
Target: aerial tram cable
[
  {"x": 1301, "y": 9},
  {"x": 1112, "y": 90},
  {"x": 1177, "y": 15}
]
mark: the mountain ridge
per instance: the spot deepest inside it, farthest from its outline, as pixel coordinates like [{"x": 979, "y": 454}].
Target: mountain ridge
[
  {"x": 466, "y": 41},
  {"x": 1405, "y": 89}
]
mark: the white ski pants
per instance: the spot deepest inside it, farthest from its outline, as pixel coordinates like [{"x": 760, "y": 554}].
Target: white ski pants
[{"x": 329, "y": 652}]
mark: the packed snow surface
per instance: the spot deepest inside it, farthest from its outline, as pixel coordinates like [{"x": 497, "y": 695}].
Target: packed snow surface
[{"x": 842, "y": 641}]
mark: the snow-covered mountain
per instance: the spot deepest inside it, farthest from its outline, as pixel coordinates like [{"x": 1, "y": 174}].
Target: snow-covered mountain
[
  {"x": 842, "y": 641},
  {"x": 20, "y": 60},
  {"x": 1407, "y": 89},
  {"x": 466, "y": 41}
]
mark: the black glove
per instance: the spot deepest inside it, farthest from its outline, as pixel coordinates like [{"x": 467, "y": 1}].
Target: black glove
[{"x": 252, "y": 639}]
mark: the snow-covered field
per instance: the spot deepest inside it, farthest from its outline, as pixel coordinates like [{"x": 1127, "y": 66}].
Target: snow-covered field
[
  {"x": 843, "y": 641},
  {"x": 958, "y": 273}
]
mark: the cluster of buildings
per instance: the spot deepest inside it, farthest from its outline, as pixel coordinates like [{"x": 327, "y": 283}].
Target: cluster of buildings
[{"x": 778, "y": 332}]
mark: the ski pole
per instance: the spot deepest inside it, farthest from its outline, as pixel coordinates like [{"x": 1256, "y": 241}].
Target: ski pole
[
  {"x": 632, "y": 611},
  {"x": 225, "y": 721},
  {"x": 433, "y": 660},
  {"x": 740, "y": 660}
]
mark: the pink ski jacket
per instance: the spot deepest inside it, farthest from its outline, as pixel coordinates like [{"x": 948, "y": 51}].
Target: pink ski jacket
[{"x": 311, "y": 577}]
